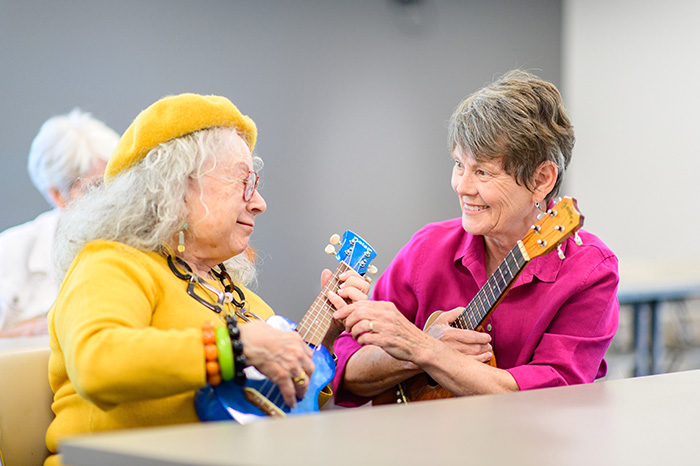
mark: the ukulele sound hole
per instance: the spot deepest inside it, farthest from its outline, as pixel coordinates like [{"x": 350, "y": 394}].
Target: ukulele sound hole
[{"x": 431, "y": 381}]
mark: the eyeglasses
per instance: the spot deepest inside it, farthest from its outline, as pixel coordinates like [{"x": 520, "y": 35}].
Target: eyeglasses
[{"x": 251, "y": 184}]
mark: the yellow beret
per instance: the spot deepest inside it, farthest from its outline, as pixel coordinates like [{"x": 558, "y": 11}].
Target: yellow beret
[{"x": 172, "y": 117}]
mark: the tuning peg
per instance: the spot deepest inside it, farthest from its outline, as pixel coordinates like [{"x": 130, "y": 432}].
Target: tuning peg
[
  {"x": 371, "y": 270},
  {"x": 330, "y": 250},
  {"x": 561, "y": 253},
  {"x": 577, "y": 239},
  {"x": 367, "y": 279},
  {"x": 335, "y": 239}
]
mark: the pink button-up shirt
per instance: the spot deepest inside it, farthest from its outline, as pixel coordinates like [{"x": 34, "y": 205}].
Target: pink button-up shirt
[{"x": 553, "y": 326}]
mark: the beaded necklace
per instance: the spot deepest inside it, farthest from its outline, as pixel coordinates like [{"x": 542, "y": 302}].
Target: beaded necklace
[{"x": 212, "y": 293}]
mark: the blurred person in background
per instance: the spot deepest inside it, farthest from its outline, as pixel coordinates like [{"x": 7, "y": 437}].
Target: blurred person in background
[{"x": 67, "y": 156}]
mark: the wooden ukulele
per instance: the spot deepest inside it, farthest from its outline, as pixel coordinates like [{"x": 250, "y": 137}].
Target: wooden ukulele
[
  {"x": 551, "y": 229},
  {"x": 261, "y": 397}
]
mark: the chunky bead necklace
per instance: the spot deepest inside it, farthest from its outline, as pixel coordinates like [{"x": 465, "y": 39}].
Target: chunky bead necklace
[{"x": 183, "y": 271}]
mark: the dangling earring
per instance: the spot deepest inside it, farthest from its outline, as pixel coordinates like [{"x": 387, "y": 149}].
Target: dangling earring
[
  {"x": 537, "y": 204},
  {"x": 181, "y": 237}
]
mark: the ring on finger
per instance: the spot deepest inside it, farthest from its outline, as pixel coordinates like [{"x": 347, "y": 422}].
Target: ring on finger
[
  {"x": 301, "y": 379},
  {"x": 371, "y": 327}
]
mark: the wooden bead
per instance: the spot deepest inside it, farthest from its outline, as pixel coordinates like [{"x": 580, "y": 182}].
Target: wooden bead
[
  {"x": 214, "y": 380},
  {"x": 208, "y": 335},
  {"x": 211, "y": 352},
  {"x": 212, "y": 368}
]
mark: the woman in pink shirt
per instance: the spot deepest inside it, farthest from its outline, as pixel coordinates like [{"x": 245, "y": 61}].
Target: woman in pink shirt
[{"x": 511, "y": 143}]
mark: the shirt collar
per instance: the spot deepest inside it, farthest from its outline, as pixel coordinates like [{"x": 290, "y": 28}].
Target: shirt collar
[
  {"x": 545, "y": 268},
  {"x": 471, "y": 254}
]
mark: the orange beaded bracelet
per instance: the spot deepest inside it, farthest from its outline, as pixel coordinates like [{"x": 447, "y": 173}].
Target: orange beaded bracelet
[{"x": 211, "y": 354}]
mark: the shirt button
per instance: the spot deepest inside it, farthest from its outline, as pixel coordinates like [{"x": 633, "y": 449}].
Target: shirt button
[{"x": 488, "y": 327}]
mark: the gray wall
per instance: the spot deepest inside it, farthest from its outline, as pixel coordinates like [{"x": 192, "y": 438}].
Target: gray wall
[{"x": 351, "y": 99}]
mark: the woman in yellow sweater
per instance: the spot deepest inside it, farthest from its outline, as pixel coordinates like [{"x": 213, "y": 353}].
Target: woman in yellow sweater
[{"x": 155, "y": 267}]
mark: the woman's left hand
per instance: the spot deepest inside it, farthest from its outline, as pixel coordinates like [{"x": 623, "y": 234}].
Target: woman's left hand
[
  {"x": 468, "y": 342},
  {"x": 283, "y": 357},
  {"x": 352, "y": 287}
]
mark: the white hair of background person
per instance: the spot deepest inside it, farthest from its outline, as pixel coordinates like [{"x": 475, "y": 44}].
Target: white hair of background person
[
  {"x": 66, "y": 148},
  {"x": 144, "y": 206}
]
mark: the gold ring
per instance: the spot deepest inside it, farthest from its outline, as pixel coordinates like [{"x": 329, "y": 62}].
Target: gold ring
[
  {"x": 300, "y": 380},
  {"x": 371, "y": 326}
]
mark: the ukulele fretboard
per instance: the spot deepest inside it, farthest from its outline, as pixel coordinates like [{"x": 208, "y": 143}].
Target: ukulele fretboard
[
  {"x": 315, "y": 324},
  {"x": 493, "y": 290}
]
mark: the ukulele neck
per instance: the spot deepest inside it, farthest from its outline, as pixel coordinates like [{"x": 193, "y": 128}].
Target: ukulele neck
[
  {"x": 317, "y": 327},
  {"x": 495, "y": 288}
]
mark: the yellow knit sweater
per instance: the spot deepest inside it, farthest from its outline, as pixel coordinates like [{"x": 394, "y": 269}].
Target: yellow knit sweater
[{"x": 126, "y": 344}]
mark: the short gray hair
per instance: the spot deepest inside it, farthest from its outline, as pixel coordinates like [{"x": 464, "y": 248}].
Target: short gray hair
[
  {"x": 144, "y": 206},
  {"x": 66, "y": 148},
  {"x": 520, "y": 117}
]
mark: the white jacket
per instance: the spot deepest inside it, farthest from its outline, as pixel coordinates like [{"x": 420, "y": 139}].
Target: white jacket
[{"x": 27, "y": 289}]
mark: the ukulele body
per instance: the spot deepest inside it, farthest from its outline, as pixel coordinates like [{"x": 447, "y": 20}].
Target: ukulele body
[{"x": 260, "y": 397}]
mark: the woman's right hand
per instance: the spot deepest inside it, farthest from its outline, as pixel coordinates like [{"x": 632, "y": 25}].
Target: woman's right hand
[{"x": 281, "y": 356}]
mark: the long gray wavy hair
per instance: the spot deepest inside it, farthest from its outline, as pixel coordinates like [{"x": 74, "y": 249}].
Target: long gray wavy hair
[{"x": 144, "y": 206}]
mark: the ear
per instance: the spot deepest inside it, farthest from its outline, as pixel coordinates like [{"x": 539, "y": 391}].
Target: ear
[
  {"x": 57, "y": 198},
  {"x": 544, "y": 179}
]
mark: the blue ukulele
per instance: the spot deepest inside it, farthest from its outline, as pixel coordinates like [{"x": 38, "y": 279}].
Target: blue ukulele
[{"x": 259, "y": 396}]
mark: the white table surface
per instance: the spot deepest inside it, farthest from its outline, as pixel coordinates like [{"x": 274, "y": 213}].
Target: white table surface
[{"x": 652, "y": 420}]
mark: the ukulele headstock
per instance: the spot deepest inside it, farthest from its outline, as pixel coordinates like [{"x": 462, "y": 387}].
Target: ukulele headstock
[
  {"x": 353, "y": 251},
  {"x": 553, "y": 228}
]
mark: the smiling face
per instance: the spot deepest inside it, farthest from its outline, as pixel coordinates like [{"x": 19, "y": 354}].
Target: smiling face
[
  {"x": 220, "y": 221},
  {"x": 493, "y": 203}
]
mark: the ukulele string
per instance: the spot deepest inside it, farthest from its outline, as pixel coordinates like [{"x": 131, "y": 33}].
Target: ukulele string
[
  {"x": 269, "y": 389},
  {"x": 482, "y": 302},
  {"x": 321, "y": 309}
]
